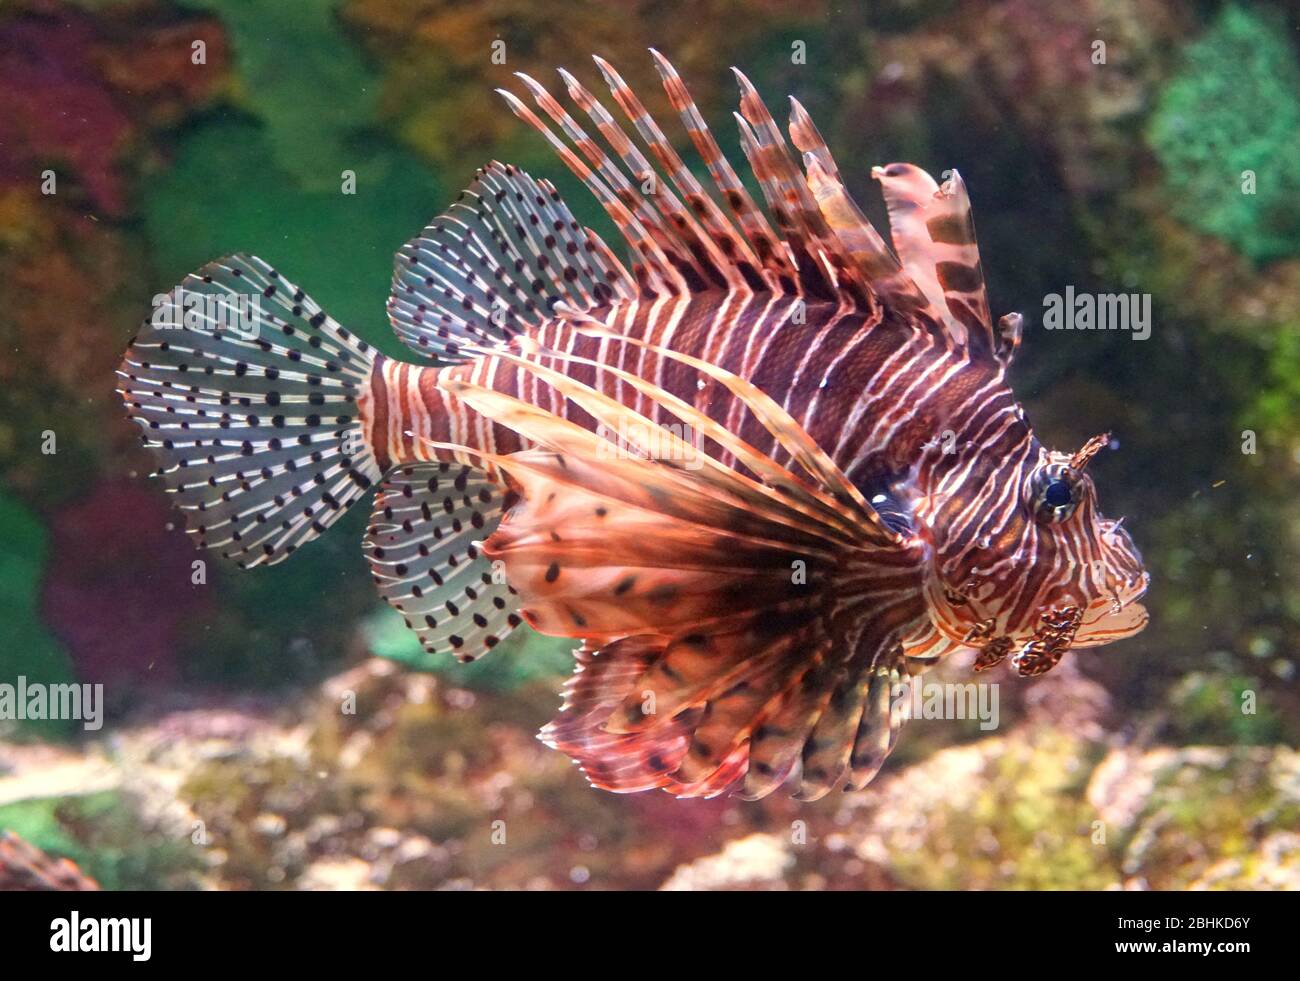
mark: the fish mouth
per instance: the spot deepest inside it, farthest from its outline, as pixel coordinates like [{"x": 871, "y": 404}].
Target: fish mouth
[
  {"x": 1064, "y": 628},
  {"x": 1113, "y": 618}
]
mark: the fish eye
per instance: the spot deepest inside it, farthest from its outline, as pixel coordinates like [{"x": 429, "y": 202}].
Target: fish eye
[{"x": 1057, "y": 494}]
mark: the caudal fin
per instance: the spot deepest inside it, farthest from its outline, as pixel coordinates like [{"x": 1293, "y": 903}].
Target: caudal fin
[{"x": 247, "y": 392}]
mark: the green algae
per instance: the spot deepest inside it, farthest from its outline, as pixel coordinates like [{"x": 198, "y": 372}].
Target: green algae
[
  {"x": 299, "y": 73},
  {"x": 104, "y": 834},
  {"x": 1223, "y": 709},
  {"x": 1220, "y": 804},
  {"x": 1044, "y": 809},
  {"x": 1276, "y": 409},
  {"x": 523, "y": 657},
  {"x": 1233, "y": 109},
  {"x": 225, "y": 192},
  {"x": 28, "y": 649},
  {"x": 1022, "y": 823}
]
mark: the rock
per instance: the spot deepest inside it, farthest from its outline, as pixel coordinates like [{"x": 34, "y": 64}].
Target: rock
[
  {"x": 337, "y": 874},
  {"x": 756, "y": 862}
]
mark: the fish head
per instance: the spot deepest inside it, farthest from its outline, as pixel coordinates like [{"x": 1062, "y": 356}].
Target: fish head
[{"x": 1043, "y": 572}]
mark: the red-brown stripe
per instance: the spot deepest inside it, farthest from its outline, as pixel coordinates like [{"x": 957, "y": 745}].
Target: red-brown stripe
[{"x": 378, "y": 428}]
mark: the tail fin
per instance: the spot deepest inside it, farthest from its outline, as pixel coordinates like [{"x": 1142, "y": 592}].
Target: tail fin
[{"x": 248, "y": 392}]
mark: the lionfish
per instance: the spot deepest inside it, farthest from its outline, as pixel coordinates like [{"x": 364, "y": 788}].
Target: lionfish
[{"x": 766, "y": 470}]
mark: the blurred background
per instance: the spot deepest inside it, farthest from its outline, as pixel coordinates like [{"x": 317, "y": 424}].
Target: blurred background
[{"x": 1165, "y": 761}]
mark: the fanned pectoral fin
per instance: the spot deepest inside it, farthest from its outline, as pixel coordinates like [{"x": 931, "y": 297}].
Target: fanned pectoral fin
[
  {"x": 886, "y": 707},
  {"x": 604, "y": 548},
  {"x": 723, "y": 615},
  {"x": 623, "y": 763}
]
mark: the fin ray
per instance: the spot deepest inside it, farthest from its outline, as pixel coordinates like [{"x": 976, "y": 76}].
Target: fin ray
[
  {"x": 423, "y": 553},
  {"x": 257, "y": 429},
  {"x": 494, "y": 264}
]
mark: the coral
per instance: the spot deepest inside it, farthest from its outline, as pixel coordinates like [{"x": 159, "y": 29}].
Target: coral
[
  {"x": 1062, "y": 813},
  {"x": 66, "y": 319},
  {"x": 122, "y": 603},
  {"x": 426, "y": 784},
  {"x": 1003, "y": 813},
  {"x": 1231, "y": 110},
  {"x": 757, "y": 861},
  {"x": 386, "y": 779},
  {"x": 1206, "y": 807},
  {"x": 76, "y": 88},
  {"x": 56, "y": 112}
]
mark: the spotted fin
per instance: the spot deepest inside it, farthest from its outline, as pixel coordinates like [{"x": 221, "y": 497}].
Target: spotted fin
[
  {"x": 777, "y": 745},
  {"x": 246, "y": 391},
  {"x": 494, "y": 264},
  {"x": 588, "y": 563},
  {"x": 886, "y": 707},
  {"x": 621, "y": 762},
  {"x": 423, "y": 545}
]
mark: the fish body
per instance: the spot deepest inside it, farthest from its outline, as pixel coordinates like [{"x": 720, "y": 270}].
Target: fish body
[
  {"x": 766, "y": 475},
  {"x": 837, "y": 379}
]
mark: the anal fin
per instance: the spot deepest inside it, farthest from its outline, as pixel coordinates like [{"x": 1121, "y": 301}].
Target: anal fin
[{"x": 422, "y": 545}]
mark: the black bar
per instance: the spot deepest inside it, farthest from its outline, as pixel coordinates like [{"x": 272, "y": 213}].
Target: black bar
[{"x": 212, "y": 930}]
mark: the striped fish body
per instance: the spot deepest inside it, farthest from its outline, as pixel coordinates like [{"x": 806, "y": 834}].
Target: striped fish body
[
  {"x": 872, "y": 398},
  {"x": 765, "y": 472}
]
